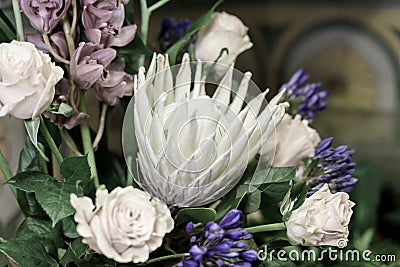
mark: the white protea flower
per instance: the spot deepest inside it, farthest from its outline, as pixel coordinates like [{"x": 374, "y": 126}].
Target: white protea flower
[{"x": 191, "y": 149}]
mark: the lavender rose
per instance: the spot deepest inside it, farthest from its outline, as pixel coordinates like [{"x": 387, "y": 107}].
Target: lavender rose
[
  {"x": 126, "y": 224},
  {"x": 27, "y": 80}
]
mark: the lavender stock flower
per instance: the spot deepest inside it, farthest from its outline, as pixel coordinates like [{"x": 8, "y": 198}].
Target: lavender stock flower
[
  {"x": 44, "y": 15},
  {"x": 333, "y": 166},
  {"x": 220, "y": 244},
  {"x": 305, "y": 98}
]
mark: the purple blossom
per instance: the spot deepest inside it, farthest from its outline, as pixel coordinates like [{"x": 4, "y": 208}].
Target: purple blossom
[
  {"x": 88, "y": 64},
  {"x": 172, "y": 31},
  {"x": 44, "y": 15},
  {"x": 305, "y": 99},
  {"x": 57, "y": 41},
  {"x": 333, "y": 166},
  {"x": 103, "y": 20},
  {"x": 220, "y": 243}
]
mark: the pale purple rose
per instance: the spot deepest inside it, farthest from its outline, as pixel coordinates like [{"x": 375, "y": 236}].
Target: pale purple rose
[
  {"x": 89, "y": 62},
  {"x": 103, "y": 22},
  {"x": 114, "y": 84},
  {"x": 44, "y": 15}
]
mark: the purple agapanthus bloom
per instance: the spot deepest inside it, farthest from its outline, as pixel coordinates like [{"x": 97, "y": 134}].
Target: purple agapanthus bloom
[
  {"x": 103, "y": 20},
  {"x": 305, "y": 99},
  {"x": 44, "y": 15},
  {"x": 220, "y": 244},
  {"x": 333, "y": 166},
  {"x": 172, "y": 31}
]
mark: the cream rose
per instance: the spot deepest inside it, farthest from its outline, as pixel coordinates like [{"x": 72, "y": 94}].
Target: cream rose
[
  {"x": 322, "y": 219},
  {"x": 223, "y": 31},
  {"x": 294, "y": 141},
  {"x": 27, "y": 80},
  {"x": 126, "y": 225}
]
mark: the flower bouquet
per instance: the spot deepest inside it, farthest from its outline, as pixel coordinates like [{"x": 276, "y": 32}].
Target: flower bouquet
[{"x": 213, "y": 173}]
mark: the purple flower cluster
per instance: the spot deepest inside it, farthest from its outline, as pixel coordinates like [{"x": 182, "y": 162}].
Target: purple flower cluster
[
  {"x": 220, "y": 244},
  {"x": 333, "y": 166},
  {"x": 305, "y": 99},
  {"x": 172, "y": 31}
]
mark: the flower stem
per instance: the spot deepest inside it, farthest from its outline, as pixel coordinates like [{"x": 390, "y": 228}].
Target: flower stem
[
  {"x": 50, "y": 141},
  {"x": 74, "y": 18},
  {"x": 18, "y": 21},
  {"x": 168, "y": 257},
  {"x": 102, "y": 123},
  {"x": 5, "y": 169},
  {"x": 87, "y": 143},
  {"x": 266, "y": 228},
  {"x": 144, "y": 27},
  {"x": 157, "y": 5},
  {"x": 52, "y": 51}
]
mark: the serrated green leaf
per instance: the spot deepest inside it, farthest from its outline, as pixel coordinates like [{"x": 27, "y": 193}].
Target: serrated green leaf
[
  {"x": 274, "y": 192},
  {"x": 75, "y": 169},
  {"x": 52, "y": 195},
  {"x": 32, "y": 128},
  {"x": 69, "y": 227},
  {"x": 74, "y": 252},
  {"x": 28, "y": 158},
  {"x": 29, "y": 205},
  {"x": 173, "y": 51},
  {"x": 195, "y": 215},
  {"x": 26, "y": 253},
  {"x": 36, "y": 229}
]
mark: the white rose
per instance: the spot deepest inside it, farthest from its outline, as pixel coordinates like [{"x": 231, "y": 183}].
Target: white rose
[
  {"x": 322, "y": 219},
  {"x": 27, "y": 80},
  {"x": 294, "y": 141},
  {"x": 126, "y": 225},
  {"x": 223, "y": 31}
]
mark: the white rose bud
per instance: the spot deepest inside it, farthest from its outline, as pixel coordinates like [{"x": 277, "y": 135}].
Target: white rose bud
[
  {"x": 27, "y": 80},
  {"x": 126, "y": 225},
  {"x": 294, "y": 141},
  {"x": 322, "y": 219},
  {"x": 223, "y": 31}
]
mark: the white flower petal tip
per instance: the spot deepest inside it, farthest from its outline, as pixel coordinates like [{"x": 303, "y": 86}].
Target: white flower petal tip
[{"x": 189, "y": 148}]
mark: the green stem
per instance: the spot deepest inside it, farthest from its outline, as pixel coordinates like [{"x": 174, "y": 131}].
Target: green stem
[
  {"x": 18, "y": 21},
  {"x": 5, "y": 169},
  {"x": 168, "y": 257},
  {"x": 157, "y": 5},
  {"x": 87, "y": 143},
  {"x": 144, "y": 27},
  {"x": 266, "y": 228},
  {"x": 50, "y": 141}
]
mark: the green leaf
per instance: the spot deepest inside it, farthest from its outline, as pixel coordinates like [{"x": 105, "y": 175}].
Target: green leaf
[
  {"x": 75, "y": 169},
  {"x": 28, "y": 158},
  {"x": 195, "y": 215},
  {"x": 74, "y": 252},
  {"x": 274, "y": 192},
  {"x": 272, "y": 175},
  {"x": 52, "y": 195},
  {"x": 6, "y": 27},
  {"x": 251, "y": 202},
  {"x": 26, "y": 253},
  {"x": 173, "y": 51},
  {"x": 36, "y": 229},
  {"x": 65, "y": 110},
  {"x": 69, "y": 227},
  {"x": 32, "y": 128},
  {"x": 29, "y": 205}
]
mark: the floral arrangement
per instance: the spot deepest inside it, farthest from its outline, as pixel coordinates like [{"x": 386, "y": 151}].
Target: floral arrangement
[{"x": 213, "y": 171}]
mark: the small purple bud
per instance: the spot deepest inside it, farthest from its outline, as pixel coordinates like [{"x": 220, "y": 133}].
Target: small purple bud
[
  {"x": 193, "y": 239},
  {"x": 189, "y": 227},
  {"x": 240, "y": 245},
  {"x": 224, "y": 246},
  {"x": 231, "y": 219},
  {"x": 189, "y": 263},
  {"x": 230, "y": 255},
  {"x": 236, "y": 234},
  {"x": 197, "y": 252},
  {"x": 240, "y": 264},
  {"x": 249, "y": 255},
  {"x": 323, "y": 145}
]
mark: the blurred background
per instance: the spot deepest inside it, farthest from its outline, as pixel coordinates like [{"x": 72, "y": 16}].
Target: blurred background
[{"x": 351, "y": 47}]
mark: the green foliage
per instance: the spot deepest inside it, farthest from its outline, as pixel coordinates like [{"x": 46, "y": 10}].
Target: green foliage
[
  {"x": 7, "y": 31},
  {"x": 75, "y": 251},
  {"x": 195, "y": 215},
  {"x": 32, "y": 128}
]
